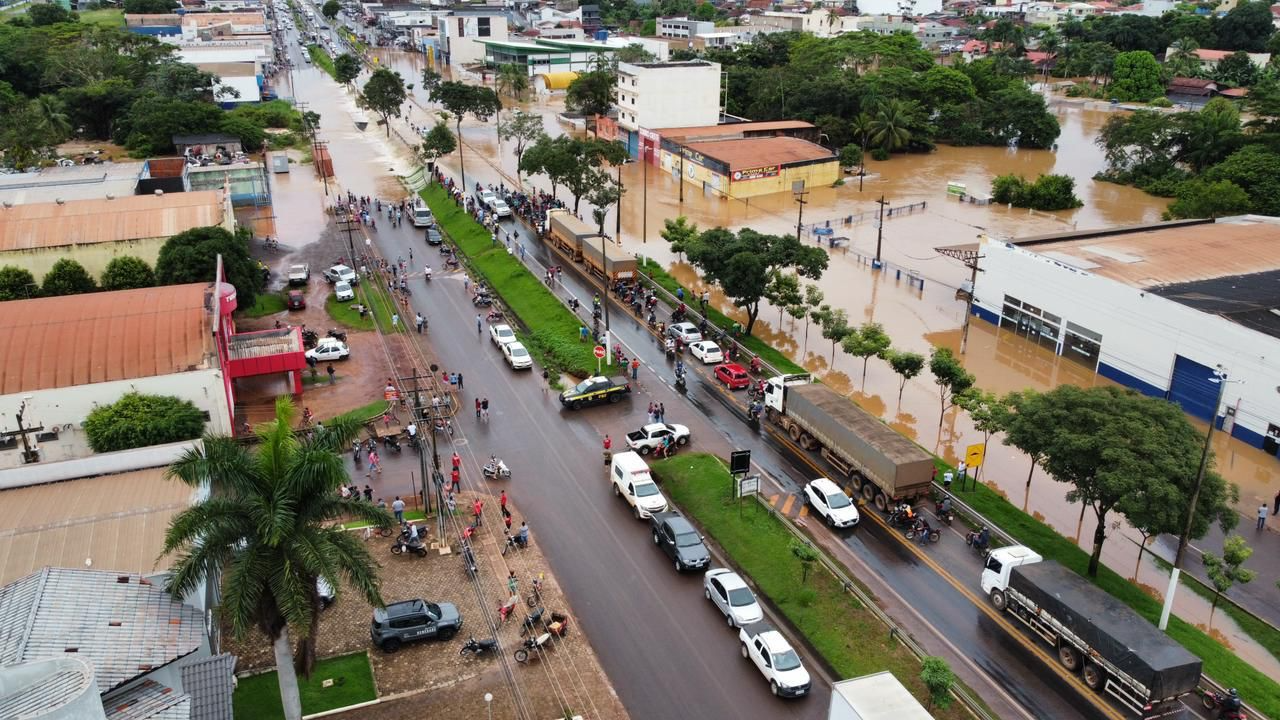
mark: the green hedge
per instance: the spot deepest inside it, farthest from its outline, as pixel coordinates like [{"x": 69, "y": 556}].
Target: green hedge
[{"x": 552, "y": 331}]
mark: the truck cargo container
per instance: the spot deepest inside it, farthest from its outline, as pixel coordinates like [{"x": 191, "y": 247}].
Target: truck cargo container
[
  {"x": 883, "y": 465},
  {"x": 1114, "y": 649},
  {"x": 568, "y": 233},
  {"x": 610, "y": 261}
]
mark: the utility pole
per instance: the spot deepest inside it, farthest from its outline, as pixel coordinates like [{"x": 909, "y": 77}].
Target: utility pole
[
  {"x": 799, "y": 193},
  {"x": 348, "y": 222},
  {"x": 880, "y": 231},
  {"x": 29, "y": 455},
  {"x": 317, "y": 146},
  {"x": 970, "y": 259},
  {"x": 617, "y": 229},
  {"x": 604, "y": 298},
  {"x": 682, "y": 175},
  {"x": 425, "y": 414},
  {"x": 1219, "y": 377},
  {"x": 644, "y": 191}
]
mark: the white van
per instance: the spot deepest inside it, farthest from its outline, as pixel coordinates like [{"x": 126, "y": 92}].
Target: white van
[
  {"x": 631, "y": 480},
  {"x": 421, "y": 215}
]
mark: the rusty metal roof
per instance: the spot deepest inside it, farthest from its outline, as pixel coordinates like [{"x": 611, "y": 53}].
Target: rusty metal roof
[
  {"x": 83, "y": 222},
  {"x": 734, "y": 128},
  {"x": 762, "y": 152},
  {"x": 83, "y": 339}
]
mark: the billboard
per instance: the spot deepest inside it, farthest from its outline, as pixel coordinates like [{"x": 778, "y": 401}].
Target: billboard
[{"x": 756, "y": 173}]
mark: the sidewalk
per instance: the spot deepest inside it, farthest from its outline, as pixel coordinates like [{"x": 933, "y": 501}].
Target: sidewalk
[{"x": 1260, "y": 597}]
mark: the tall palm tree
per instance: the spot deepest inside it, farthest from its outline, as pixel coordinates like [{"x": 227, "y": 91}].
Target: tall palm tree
[
  {"x": 1183, "y": 59},
  {"x": 268, "y": 530},
  {"x": 512, "y": 79},
  {"x": 49, "y": 118},
  {"x": 861, "y": 127},
  {"x": 1050, "y": 43},
  {"x": 889, "y": 128}
]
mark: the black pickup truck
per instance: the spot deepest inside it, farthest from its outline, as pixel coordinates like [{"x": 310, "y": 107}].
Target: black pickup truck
[{"x": 595, "y": 390}]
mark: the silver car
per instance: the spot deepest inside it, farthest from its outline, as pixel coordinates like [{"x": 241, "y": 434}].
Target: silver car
[{"x": 729, "y": 592}]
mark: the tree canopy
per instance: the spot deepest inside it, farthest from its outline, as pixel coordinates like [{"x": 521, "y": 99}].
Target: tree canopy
[
  {"x": 126, "y": 273},
  {"x": 17, "y": 284},
  {"x": 346, "y": 67},
  {"x": 592, "y": 92},
  {"x": 137, "y": 420},
  {"x": 67, "y": 277},
  {"x": 384, "y": 93},
  {"x": 191, "y": 256}
]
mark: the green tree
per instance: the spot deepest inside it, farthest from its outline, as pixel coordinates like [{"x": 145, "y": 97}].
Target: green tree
[
  {"x": 431, "y": 82},
  {"x": 989, "y": 412},
  {"x": 1153, "y": 509},
  {"x": 592, "y": 92},
  {"x": 1137, "y": 77},
  {"x": 149, "y": 7},
  {"x": 835, "y": 327},
  {"x": 1256, "y": 170},
  {"x": 907, "y": 365},
  {"x": 578, "y": 162},
  {"x": 521, "y": 129},
  {"x": 67, "y": 277},
  {"x": 1182, "y": 59},
  {"x": 938, "y": 678},
  {"x": 889, "y": 127},
  {"x": 17, "y": 284},
  {"x": 649, "y": 28},
  {"x": 270, "y": 529},
  {"x": 1030, "y": 414},
  {"x": 1237, "y": 70},
  {"x": 50, "y": 14},
  {"x": 48, "y": 119},
  {"x": 850, "y": 156},
  {"x": 807, "y": 556},
  {"x": 152, "y": 121},
  {"x": 704, "y": 11},
  {"x": 867, "y": 341},
  {"x": 1199, "y": 198},
  {"x": 548, "y": 156},
  {"x": 438, "y": 142},
  {"x": 346, "y": 67},
  {"x": 1048, "y": 192},
  {"x": 1202, "y": 139},
  {"x": 191, "y": 256},
  {"x": 127, "y": 272},
  {"x": 137, "y": 420},
  {"x": 783, "y": 291},
  {"x": 330, "y": 9},
  {"x": 679, "y": 233},
  {"x": 742, "y": 263},
  {"x": 514, "y": 79},
  {"x": 862, "y": 126},
  {"x": 384, "y": 93},
  {"x": 1107, "y": 443},
  {"x": 813, "y": 297},
  {"x": 1228, "y": 569},
  {"x": 1247, "y": 27},
  {"x": 950, "y": 377},
  {"x": 605, "y": 193},
  {"x": 634, "y": 53},
  {"x": 460, "y": 99},
  {"x": 251, "y": 136},
  {"x": 1049, "y": 43}
]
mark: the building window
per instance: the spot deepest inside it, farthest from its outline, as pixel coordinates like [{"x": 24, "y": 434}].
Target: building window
[
  {"x": 1029, "y": 321},
  {"x": 1082, "y": 345},
  {"x": 482, "y": 25}
]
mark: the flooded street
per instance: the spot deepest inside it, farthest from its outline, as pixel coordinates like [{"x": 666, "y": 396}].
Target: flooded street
[{"x": 916, "y": 318}]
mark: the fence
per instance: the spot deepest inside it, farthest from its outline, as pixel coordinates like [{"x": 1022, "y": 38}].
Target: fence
[{"x": 813, "y": 229}]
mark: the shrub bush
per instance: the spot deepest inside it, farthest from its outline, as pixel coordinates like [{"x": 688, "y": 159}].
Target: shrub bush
[
  {"x": 137, "y": 420},
  {"x": 1048, "y": 192}
]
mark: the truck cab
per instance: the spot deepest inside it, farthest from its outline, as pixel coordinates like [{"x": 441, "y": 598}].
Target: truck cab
[
  {"x": 995, "y": 575},
  {"x": 775, "y": 390}
]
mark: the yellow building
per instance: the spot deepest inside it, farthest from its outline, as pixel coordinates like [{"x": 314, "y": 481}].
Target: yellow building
[
  {"x": 743, "y": 167},
  {"x": 93, "y": 232}
]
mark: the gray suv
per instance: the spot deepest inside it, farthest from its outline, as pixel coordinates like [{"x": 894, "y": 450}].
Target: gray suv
[{"x": 413, "y": 620}]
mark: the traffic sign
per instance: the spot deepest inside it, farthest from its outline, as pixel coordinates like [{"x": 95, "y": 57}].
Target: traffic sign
[
  {"x": 973, "y": 455},
  {"x": 599, "y": 351}
]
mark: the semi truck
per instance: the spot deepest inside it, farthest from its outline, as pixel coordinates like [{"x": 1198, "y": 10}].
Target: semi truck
[
  {"x": 568, "y": 233},
  {"x": 608, "y": 260},
  {"x": 1113, "y": 649},
  {"x": 883, "y": 465}
]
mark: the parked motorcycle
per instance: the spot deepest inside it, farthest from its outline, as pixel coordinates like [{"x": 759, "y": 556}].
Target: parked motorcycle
[
  {"x": 496, "y": 468},
  {"x": 391, "y": 442},
  {"x": 494, "y": 315},
  {"x": 310, "y": 338},
  {"x": 477, "y": 647},
  {"x": 404, "y": 546},
  {"x": 337, "y": 334},
  {"x": 482, "y": 301},
  {"x": 532, "y": 643}
]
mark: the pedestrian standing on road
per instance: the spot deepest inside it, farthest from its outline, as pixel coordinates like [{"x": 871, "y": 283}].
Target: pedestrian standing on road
[
  {"x": 512, "y": 583},
  {"x": 947, "y": 477},
  {"x": 1276, "y": 509},
  {"x": 397, "y": 507},
  {"x": 662, "y": 412},
  {"x": 375, "y": 462},
  {"x": 368, "y": 493},
  {"x": 635, "y": 368},
  {"x": 546, "y": 384},
  {"x": 466, "y": 283},
  {"x": 479, "y": 322},
  {"x": 477, "y": 510},
  {"x": 521, "y": 246},
  {"x": 395, "y": 321},
  {"x": 457, "y": 461},
  {"x": 506, "y": 518},
  {"x": 418, "y": 321},
  {"x": 455, "y": 480},
  {"x": 451, "y": 503},
  {"x": 502, "y": 500},
  {"x": 477, "y": 408},
  {"x": 484, "y": 409},
  {"x": 332, "y": 373},
  {"x": 651, "y": 409},
  {"x": 1262, "y": 516},
  {"x": 460, "y": 381}
]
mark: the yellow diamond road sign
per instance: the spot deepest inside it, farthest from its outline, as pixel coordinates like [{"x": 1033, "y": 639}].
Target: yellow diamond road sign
[{"x": 973, "y": 455}]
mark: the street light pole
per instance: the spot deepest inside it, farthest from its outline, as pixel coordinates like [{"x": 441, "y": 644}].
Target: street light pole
[
  {"x": 644, "y": 192},
  {"x": 879, "y": 229},
  {"x": 1220, "y": 378}
]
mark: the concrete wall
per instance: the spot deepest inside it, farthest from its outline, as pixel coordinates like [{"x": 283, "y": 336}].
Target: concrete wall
[
  {"x": 664, "y": 97},
  {"x": 71, "y": 405},
  {"x": 94, "y": 257},
  {"x": 1141, "y": 332}
]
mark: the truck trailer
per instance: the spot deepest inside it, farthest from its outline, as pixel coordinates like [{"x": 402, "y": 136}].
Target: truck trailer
[
  {"x": 1114, "y": 649},
  {"x": 610, "y": 261},
  {"x": 568, "y": 233},
  {"x": 883, "y": 465}
]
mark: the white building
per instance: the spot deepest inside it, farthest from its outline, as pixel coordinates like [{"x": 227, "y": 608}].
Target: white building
[
  {"x": 659, "y": 49},
  {"x": 463, "y": 32},
  {"x": 1156, "y": 308},
  {"x": 663, "y": 95},
  {"x": 682, "y": 28},
  {"x": 914, "y": 8}
]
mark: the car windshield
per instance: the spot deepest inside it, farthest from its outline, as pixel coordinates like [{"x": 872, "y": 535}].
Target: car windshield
[
  {"x": 433, "y": 610},
  {"x": 687, "y": 539},
  {"x": 646, "y": 489},
  {"x": 741, "y": 597},
  {"x": 583, "y": 386},
  {"x": 517, "y": 351},
  {"x": 786, "y": 660},
  {"x": 838, "y": 500}
]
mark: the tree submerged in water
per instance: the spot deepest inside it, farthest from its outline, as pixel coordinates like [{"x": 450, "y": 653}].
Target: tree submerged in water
[{"x": 1048, "y": 192}]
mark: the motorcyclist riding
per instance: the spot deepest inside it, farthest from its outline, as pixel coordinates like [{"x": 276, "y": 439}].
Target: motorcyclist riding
[{"x": 1231, "y": 705}]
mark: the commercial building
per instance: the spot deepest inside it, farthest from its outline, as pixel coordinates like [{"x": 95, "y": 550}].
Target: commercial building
[
  {"x": 666, "y": 94},
  {"x": 34, "y": 236},
  {"x": 551, "y": 63},
  {"x": 913, "y": 8},
  {"x": 682, "y": 28},
  {"x": 744, "y": 160},
  {"x": 462, "y": 35},
  {"x": 1156, "y": 308}
]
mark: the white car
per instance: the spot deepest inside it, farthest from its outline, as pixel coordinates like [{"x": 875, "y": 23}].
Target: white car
[
  {"x": 707, "y": 351},
  {"x": 341, "y": 273},
  {"x": 342, "y": 290},
  {"x": 729, "y": 592},
  {"x": 828, "y": 500},
  {"x": 499, "y": 207},
  {"x": 685, "y": 332},
  {"x": 501, "y": 334},
  {"x": 775, "y": 659},
  {"x": 329, "y": 349},
  {"x": 641, "y": 493},
  {"x": 517, "y": 356},
  {"x": 299, "y": 274}
]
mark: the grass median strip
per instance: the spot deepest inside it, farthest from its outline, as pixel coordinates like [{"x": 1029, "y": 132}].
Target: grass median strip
[
  {"x": 258, "y": 696},
  {"x": 341, "y": 311},
  {"x": 322, "y": 60},
  {"x": 553, "y": 331},
  {"x": 849, "y": 637}
]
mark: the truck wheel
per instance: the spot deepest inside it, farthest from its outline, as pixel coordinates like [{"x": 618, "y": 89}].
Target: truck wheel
[
  {"x": 646, "y": 450},
  {"x": 807, "y": 442},
  {"x": 882, "y": 504},
  {"x": 390, "y": 645},
  {"x": 998, "y": 600},
  {"x": 1069, "y": 657},
  {"x": 1093, "y": 676},
  {"x": 794, "y": 432},
  {"x": 868, "y": 492}
]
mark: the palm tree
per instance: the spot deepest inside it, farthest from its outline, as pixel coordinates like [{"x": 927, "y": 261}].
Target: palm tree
[
  {"x": 1050, "y": 43},
  {"x": 513, "y": 79},
  {"x": 861, "y": 127},
  {"x": 268, "y": 530},
  {"x": 1183, "y": 59},
  {"x": 50, "y": 120},
  {"x": 889, "y": 128}
]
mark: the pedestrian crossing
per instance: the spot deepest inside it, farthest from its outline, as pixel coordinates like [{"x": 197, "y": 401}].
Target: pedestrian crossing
[{"x": 791, "y": 505}]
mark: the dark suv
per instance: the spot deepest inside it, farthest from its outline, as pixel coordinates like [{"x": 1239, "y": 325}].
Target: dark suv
[
  {"x": 412, "y": 620},
  {"x": 679, "y": 540}
]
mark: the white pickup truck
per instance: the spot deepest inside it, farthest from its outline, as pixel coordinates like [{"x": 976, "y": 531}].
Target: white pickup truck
[
  {"x": 650, "y": 437},
  {"x": 632, "y": 482}
]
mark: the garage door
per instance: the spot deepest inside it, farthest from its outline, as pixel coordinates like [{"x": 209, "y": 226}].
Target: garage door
[{"x": 1193, "y": 388}]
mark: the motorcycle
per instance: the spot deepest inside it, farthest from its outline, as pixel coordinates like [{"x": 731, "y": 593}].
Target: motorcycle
[
  {"x": 310, "y": 338},
  {"x": 452, "y": 262},
  {"x": 482, "y": 301},
  {"x": 404, "y": 545},
  {"x": 532, "y": 643},
  {"x": 934, "y": 535},
  {"x": 974, "y": 540},
  {"x": 494, "y": 314},
  {"x": 899, "y": 518},
  {"x": 337, "y": 334},
  {"x": 680, "y": 384},
  {"x": 671, "y": 350},
  {"x": 945, "y": 515},
  {"x": 426, "y": 272},
  {"x": 1221, "y": 702},
  {"x": 755, "y": 365},
  {"x": 496, "y": 468},
  {"x": 391, "y": 442},
  {"x": 477, "y": 647}
]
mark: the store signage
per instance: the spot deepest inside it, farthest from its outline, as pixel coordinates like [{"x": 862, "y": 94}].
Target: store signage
[{"x": 756, "y": 173}]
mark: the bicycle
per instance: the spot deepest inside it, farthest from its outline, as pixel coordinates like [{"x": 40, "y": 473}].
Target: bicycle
[{"x": 534, "y": 598}]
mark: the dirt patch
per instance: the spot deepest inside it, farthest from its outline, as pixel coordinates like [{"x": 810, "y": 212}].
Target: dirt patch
[{"x": 567, "y": 676}]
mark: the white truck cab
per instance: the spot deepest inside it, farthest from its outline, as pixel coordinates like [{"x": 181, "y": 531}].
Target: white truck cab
[
  {"x": 995, "y": 574},
  {"x": 631, "y": 481},
  {"x": 773, "y": 389}
]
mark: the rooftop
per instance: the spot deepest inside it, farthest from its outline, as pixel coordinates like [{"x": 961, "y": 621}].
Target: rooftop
[
  {"x": 737, "y": 129},
  {"x": 105, "y": 220},
  {"x": 81, "y": 182},
  {"x": 663, "y": 65},
  {"x": 122, "y": 624},
  {"x": 761, "y": 152},
  {"x": 1229, "y": 268},
  {"x": 117, "y": 521},
  {"x": 71, "y": 340}
]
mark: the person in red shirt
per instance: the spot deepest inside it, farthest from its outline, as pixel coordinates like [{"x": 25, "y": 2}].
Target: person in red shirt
[{"x": 607, "y": 444}]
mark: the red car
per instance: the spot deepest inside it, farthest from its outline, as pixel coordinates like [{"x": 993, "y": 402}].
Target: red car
[
  {"x": 733, "y": 375},
  {"x": 296, "y": 300}
]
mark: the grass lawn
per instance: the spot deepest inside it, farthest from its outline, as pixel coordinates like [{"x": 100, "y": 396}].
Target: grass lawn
[
  {"x": 365, "y": 413},
  {"x": 552, "y": 335},
  {"x": 767, "y": 353},
  {"x": 341, "y": 312},
  {"x": 264, "y": 304},
  {"x": 107, "y": 18},
  {"x": 322, "y": 60},
  {"x": 375, "y": 297},
  {"x": 258, "y": 696},
  {"x": 1220, "y": 663},
  {"x": 409, "y": 515},
  {"x": 848, "y": 636}
]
